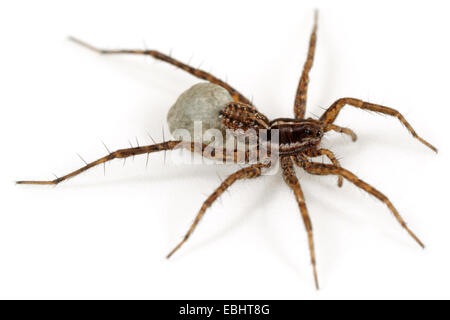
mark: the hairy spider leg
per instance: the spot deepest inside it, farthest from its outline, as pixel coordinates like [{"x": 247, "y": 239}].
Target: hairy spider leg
[
  {"x": 347, "y": 131},
  {"x": 302, "y": 89},
  {"x": 332, "y": 112},
  {"x": 205, "y": 150},
  {"x": 327, "y": 169},
  {"x": 330, "y": 155},
  {"x": 237, "y": 96},
  {"x": 250, "y": 172},
  {"x": 291, "y": 180}
]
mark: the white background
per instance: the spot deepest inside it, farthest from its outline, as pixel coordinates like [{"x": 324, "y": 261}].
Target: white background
[{"x": 99, "y": 236}]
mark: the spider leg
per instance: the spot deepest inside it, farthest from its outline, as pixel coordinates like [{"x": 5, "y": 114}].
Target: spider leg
[
  {"x": 245, "y": 173},
  {"x": 205, "y": 150},
  {"x": 336, "y": 128},
  {"x": 332, "y": 112},
  {"x": 292, "y": 181},
  {"x": 237, "y": 96},
  {"x": 327, "y": 169},
  {"x": 324, "y": 152},
  {"x": 302, "y": 89}
]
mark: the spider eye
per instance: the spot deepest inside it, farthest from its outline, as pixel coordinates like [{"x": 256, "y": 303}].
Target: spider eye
[
  {"x": 318, "y": 133},
  {"x": 307, "y": 131}
]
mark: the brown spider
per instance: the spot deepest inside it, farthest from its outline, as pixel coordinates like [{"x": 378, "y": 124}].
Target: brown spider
[{"x": 299, "y": 140}]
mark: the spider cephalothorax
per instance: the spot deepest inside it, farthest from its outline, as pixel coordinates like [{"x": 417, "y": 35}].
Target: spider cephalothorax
[
  {"x": 298, "y": 141},
  {"x": 296, "y": 136}
]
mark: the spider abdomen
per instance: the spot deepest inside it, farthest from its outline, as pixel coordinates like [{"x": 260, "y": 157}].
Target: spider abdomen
[{"x": 241, "y": 116}]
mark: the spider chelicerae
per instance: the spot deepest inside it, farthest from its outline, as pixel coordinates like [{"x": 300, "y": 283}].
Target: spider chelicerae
[{"x": 299, "y": 141}]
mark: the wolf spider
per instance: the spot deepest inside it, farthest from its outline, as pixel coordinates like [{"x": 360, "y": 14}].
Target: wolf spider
[{"x": 299, "y": 140}]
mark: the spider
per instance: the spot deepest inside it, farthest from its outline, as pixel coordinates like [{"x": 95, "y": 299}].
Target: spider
[{"x": 299, "y": 141}]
